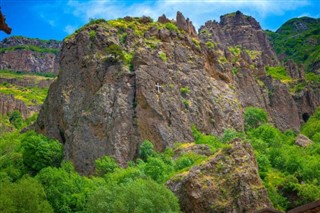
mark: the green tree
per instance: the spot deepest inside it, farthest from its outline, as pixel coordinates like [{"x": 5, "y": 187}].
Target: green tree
[
  {"x": 253, "y": 117},
  {"x": 105, "y": 165},
  {"x": 26, "y": 195},
  {"x": 16, "y": 119},
  {"x": 66, "y": 190},
  {"x": 146, "y": 150},
  {"x": 138, "y": 196},
  {"x": 39, "y": 151}
]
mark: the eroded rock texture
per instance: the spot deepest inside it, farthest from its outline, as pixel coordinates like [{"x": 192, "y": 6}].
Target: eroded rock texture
[
  {"x": 106, "y": 102},
  {"x": 226, "y": 182},
  {"x": 29, "y": 55}
]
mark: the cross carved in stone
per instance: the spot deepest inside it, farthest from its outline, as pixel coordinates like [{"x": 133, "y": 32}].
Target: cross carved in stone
[{"x": 158, "y": 87}]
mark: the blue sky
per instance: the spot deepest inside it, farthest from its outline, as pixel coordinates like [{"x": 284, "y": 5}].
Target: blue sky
[{"x": 55, "y": 19}]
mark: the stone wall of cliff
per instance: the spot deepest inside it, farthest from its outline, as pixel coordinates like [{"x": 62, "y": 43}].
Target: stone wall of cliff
[{"x": 29, "y": 55}]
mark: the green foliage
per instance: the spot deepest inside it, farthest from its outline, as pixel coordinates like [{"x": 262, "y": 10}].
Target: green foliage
[
  {"x": 137, "y": 196},
  {"x": 210, "y": 45},
  {"x": 39, "y": 152},
  {"x": 184, "y": 90},
  {"x": 186, "y": 160},
  {"x": 235, "y": 50},
  {"x": 171, "y": 27},
  {"x": 278, "y": 73},
  {"x": 302, "y": 45},
  {"x": 30, "y": 95},
  {"x": 31, "y": 48},
  {"x": 210, "y": 140},
  {"x": 146, "y": 150},
  {"x": 157, "y": 169},
  {"x": 234, "y": 71},
  {"x": 163, "y": 56},
  {"x": 92, "y": 34},
  {"x": 16, "y": 119},
  {"x": 312, "y": 127},
  {"x": 186, "y": 103},
  {"x": 25, "y": 195},
  {"x": 196, "y": 42},
  {"x": 290, "y": 173},
  {"x": 116, "y": 52},
  {"x": 105, "y": 165},
  {"x": 66, "y": 190},
  {"x": 253, "y": 117}
]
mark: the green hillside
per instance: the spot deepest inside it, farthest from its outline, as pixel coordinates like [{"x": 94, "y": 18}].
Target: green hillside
[{"x": 299, "y": 39}]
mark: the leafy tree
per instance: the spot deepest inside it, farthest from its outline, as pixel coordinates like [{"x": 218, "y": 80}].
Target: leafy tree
[
  {"x": 40, "y": 152},
  {"x": 253, "y": 117},
  {"x": 157, "y": 169},
  {"x": 138, "y": 196},
  {"x": 146, "y": 150},
  {"x": 16, "y": 119},
  {"x": 26, "y": 195},
  {"x": 105, "y": 165},
  {"x": 66, "y": 190}
]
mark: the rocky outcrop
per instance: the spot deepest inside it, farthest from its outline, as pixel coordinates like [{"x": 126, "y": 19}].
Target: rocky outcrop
[
  {"x": 29, "y": 55},
  {"x": 238, "y": 29},
  {"x": 97, "y": 106},
  {"x": 186, "y": 25},
  {"x": 226, "y": 182},
  {"x": 302, "y": 141},
  {"x": 122, "y": 85},
  {"x": 9, "y": 104},
  {"x": 22, "y": 41}
]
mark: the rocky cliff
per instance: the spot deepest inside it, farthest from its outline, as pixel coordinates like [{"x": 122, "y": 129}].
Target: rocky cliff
[
  {"x": 227, "y": 182},
  {"x": 131, "y": 79},
  {"x": 29, "y": 55}
]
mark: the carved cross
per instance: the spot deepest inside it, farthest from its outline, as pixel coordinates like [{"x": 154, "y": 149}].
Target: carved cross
[{"x": 158, "y": 87}]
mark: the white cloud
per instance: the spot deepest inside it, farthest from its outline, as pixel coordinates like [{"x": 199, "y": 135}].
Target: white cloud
[
  {"x": 69, "y": 29},
  {"x": 196, "y": 10}
]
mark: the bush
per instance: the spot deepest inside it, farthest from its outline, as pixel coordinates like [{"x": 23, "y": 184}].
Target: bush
[
  {"x": 16, "y": 119},
  {"x": 146, "y": 150},
  {"x": 116, "y": 52},
  {"x": 253, "y": 117},
  {"x": 25, "y": 195},
  {"x": 105, "y": 165},
  {"x": 138, "y": 196},
  {"x": 66, "y": 190},
  {"x": 39, "y": 152}
]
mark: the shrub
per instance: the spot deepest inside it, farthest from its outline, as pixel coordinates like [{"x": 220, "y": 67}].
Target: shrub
[
  {"x": 171, "y": 27},
  {"x": 116, "y": 52},
  {"x": 105, "y": 165},
  {"x": 184, "y": 90},
  {"x": 146, "y": 150},
  {"x": 253, "y": 117},
  {"x": 39, "y": 152},
  {"x": 163, "y": 56},
  {"x": 16, "y": 119},
  {"x": 138, "y": 196}
]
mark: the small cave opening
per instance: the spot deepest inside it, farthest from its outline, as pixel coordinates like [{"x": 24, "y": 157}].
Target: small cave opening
[{"x": 305, "y": 117}]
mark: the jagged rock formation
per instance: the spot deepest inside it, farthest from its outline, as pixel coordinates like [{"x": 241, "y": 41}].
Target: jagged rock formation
[
  {"x": 303, "y": 141},
  {"x": 9, "y": 104},
  {"x": 98, "y": 106},
  {"x": 248, "y": 52},
  {"x": 227, "y": 182},
  {"x": 29, "y": 55},
  {"x": 132, "y": 79}
]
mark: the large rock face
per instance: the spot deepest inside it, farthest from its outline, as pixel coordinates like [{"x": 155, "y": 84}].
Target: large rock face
[
  {"x": 98, "y": 106},
  {"x": 107, "y": 102},
  {"x": 226, "y": 182},
  {"x": 29, "y": 55},
  {"x": 9, "y": 104}
]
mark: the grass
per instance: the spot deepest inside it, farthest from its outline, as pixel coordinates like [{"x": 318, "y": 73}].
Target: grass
[
  {"x": 279, "y": 73},
  {"x": 31, "y": 48},
  {"x": 30, "y": 95},
  {"x": 25, "y": 75}
]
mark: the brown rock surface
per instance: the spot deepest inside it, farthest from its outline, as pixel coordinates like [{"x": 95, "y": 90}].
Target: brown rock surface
[
  {"x": 97, "y": 106},
  {"x": 226, "y": 182},
  {"x": 13, "y": 56},
  {"x": 303, "y": 141},
  {"x": 9, "y": 104}
]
